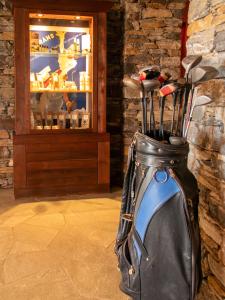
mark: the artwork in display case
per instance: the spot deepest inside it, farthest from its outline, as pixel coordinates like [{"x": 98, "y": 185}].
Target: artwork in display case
[{"x": 61, "y": 71}]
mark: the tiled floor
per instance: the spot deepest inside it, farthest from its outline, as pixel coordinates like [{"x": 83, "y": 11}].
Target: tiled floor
[{"x": 59, "y": 249}]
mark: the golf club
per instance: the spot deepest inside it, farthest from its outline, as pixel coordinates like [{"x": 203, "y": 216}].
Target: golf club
[
  {"x": 137, "y": 85},
  {"x": 197, "y": 76},
  {"x": 164, "y": 91},
  {"x": 189, "y": 62},
  {"x": 198, "y": 101},
  {"x": 150, "y": 86},
  {"x": 180, "y": 98},
  {"x": 180, "y": 84}
]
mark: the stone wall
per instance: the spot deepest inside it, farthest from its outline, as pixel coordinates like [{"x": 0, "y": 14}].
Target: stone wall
[
  {"x": 152, "y": 35},
  {"x": 6, "y": 93},
  {"x": 207, "y": 156}
]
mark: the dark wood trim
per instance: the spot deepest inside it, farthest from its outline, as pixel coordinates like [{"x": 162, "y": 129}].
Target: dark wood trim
[
  {"x": 90, "y": 6},
  {"x": 95, "y": 75},
  {"x": 103, "y": 163},
  {"x": 102, "y": 72},
  {"x": 19, "y": 166},
  {"x": 66, "y": 190},
  {"x": 54, "y": 138}
]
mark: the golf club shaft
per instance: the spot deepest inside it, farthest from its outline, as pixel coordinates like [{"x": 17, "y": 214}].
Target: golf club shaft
[
  {"x": 153, "y": 113},
  {"x": 184, "y": 108},
  {"x": 152, "y": 116},
  {"x": 145, "y": 115},
  {"x": 175, "y": 94},
  {"x": 162, "y": 103},
  {"x": 189, "y": 111},
  {"x": 181, "y": 93}
]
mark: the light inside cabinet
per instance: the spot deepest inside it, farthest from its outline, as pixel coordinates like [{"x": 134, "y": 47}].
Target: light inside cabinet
[{"x": 61, "y": 71}]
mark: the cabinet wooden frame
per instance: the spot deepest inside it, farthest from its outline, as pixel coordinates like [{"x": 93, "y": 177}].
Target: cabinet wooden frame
[{"x": 25, "y": 137}]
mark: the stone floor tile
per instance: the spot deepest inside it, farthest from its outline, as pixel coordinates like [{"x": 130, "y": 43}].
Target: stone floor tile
[
  {"x": 17, "y": 267},
  {"x": 55, "y": 220},
  {"x": 59, "y": 248},
  {"x": 6, "y": 244},
  {"x": 11, "y": 221},
  {"x": 37, "y": 236}
]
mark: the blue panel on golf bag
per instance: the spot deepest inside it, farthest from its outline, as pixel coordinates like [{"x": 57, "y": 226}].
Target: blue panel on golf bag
[{"x": 161, "y": 188}]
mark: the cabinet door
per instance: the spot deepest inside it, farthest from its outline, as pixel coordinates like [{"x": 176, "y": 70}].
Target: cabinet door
[{"x": 61, "y": 71}]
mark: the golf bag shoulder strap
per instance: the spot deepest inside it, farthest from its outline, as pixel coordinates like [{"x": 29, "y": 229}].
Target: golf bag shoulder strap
[{"x": 127, "y": 203}]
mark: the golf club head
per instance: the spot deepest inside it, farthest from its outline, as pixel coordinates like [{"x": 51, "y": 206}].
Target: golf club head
[
  {"x": 132, "y": 83},
  {"x": 201, "y": 74},
  {"x": 168, "y": 89},
  {"x": 164, "y": 75},
  {"x": 190, "y": 61},
  {"x": 177, "y": 140},
  {"x": 149, "y": 68},
  {"x": 150, "y": 85},
  {"x": 202, "y": 100}
]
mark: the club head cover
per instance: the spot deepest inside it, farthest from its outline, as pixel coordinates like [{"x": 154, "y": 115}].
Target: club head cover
[{"x": 167, "y": 90}]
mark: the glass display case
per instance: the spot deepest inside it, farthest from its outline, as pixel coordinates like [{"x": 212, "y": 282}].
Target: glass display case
[
  {"x": 60, "y": 144},
  {"x": 61, "y": 71}
]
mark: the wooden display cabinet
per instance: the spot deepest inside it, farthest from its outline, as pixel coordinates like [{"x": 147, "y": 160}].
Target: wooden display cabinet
[{"x": 60, "y": 142}]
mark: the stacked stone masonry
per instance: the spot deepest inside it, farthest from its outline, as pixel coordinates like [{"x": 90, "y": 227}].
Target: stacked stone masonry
[
  {"x": 7, "y": 100},
  {"x": 206, "y": 33},
  {"x": 152, "y": 35}
]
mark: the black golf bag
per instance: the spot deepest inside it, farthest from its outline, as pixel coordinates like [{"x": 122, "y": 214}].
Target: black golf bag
[{"x": 158, "y": 245}]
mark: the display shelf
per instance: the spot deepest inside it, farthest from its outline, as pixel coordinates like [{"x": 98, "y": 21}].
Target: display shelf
[
  {"x": 61, "y": 91},
  {"x": 72, "y": 55}
]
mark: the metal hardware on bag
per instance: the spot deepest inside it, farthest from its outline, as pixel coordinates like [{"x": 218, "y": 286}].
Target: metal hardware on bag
[
  {"x": 137, "y": 163},
  {"x": 161, "y": 181},
  {"x": 147, "y": 258},
  {"x": 127, "y": 217},
  {"x": 131, "y": 271},
  {"x": 172, "y": 162}
]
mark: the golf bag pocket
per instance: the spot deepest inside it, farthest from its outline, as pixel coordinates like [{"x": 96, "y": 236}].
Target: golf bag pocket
[{"x": 129, "y": 268}]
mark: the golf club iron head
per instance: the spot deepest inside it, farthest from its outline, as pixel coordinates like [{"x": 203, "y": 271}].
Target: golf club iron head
[
  {"x": 189, "y": 62},
  {"x": 201, "y": 74},
  {"x": 199, "y": 101}
]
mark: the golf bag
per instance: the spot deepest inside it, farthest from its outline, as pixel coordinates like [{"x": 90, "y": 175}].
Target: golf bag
[{"x": 158, "y": 245}]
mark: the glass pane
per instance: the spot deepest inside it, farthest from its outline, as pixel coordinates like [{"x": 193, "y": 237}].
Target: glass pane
[{"x": 61, "y": 71}]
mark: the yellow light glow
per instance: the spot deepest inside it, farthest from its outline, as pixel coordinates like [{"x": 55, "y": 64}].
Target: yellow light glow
[
  {"x": 40, "y": 15},
  {"x": 77, "y": 17}
]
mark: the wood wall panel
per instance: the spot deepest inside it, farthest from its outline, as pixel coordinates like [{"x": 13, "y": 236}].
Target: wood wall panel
[
  {"x": 62, "y": 165},
  {"x": 19, "y": 157},
  {"x": 103, "y": 163},
  {"x": 102, "y": 72}
]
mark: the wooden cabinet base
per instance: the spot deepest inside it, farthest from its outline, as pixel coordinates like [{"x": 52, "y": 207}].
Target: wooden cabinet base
[{"x": 59, "y": 164}]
